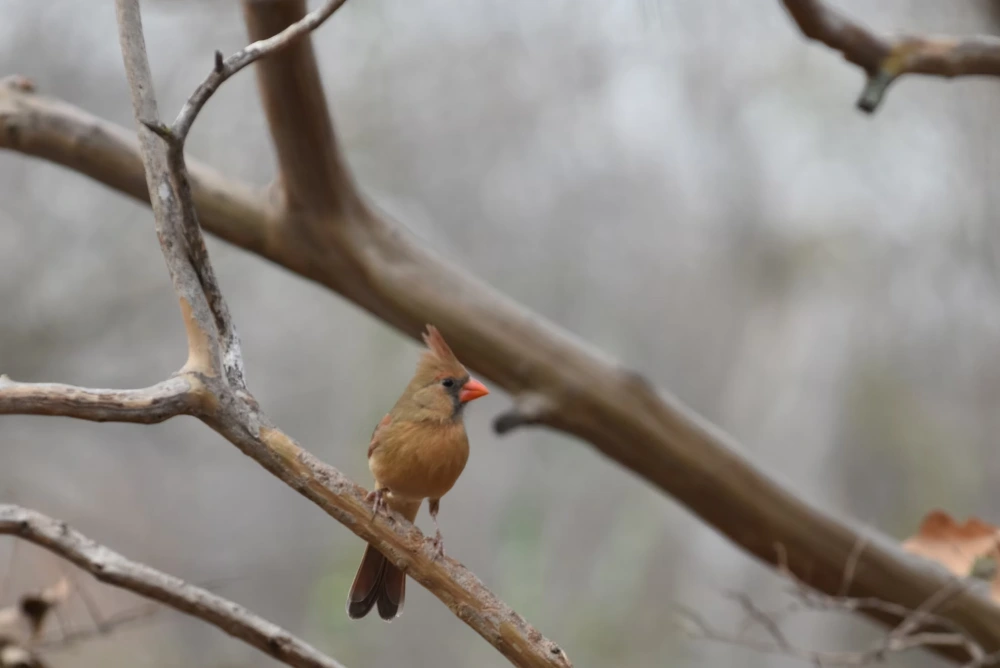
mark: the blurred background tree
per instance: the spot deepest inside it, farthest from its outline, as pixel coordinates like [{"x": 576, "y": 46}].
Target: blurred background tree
[{"x": 681, "y": 183}]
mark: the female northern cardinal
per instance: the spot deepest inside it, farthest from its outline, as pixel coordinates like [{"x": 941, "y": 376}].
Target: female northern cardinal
[{"x": 417, "y": 452}]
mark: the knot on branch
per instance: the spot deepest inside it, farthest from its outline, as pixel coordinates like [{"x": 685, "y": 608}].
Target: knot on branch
[
  {"x": 873, "y": 93},
  {"x": 529, "y": 408},
  {"x": 161, "y": 130}
]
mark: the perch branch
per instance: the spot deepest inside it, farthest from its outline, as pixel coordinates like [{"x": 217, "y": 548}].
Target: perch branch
[
  {"x": 884, "y": 58},
  {"x": 372, "y": 261},
  {"x": 114, "y": 569},
  {"x": 234, "y": 413}
]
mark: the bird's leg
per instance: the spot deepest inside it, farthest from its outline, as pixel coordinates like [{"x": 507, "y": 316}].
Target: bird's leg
[
  {"x": 377, "y": 498},
  {"x": 434, "y": 505}
]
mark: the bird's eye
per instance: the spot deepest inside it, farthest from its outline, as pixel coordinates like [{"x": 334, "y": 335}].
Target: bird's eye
[{"x": 448, "y": 382}]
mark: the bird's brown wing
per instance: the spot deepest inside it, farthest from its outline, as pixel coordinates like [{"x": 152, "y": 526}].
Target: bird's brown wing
[{"x": 375, "y": 434}]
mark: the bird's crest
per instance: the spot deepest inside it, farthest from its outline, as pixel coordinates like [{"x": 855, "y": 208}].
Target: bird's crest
[{"x": 439, "y": 355}]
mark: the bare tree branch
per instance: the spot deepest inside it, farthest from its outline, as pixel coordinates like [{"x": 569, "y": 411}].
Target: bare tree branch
[
  {"x": 114, "y": 569},
  {"x": 178, "y": 395},
  {"x": 176, "y": 136},
  {"x": 249, "y": 54},
  {"x": 314, "y": 175},
  {"x": 168, "y": 211},
  {"x": 59, "y": 132},
  {"x": 884, "y": 59},
  {"x": 348, "y": 246},
  {"x": 215, "y": 355}
]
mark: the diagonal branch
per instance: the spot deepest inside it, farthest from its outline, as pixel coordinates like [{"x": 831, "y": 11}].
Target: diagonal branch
[
  {"x": 64, "y": 134},
  {"x": 114, "y": 569},
  {"x": 235, "y": 414},
  {"x": 884, "y": 58},
  {"x": 382, "y": 269},
  {"x": 373, "y": 262}
]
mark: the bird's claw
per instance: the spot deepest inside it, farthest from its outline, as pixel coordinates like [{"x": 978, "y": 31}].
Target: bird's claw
[
  {"x": 438, "y": 544},
  {"x": 377, "y": 499}
]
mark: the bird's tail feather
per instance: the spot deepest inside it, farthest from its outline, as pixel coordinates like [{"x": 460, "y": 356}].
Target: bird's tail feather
[
  {"x": 377, "y": 582},
  {"x": 367, "y": 584}
]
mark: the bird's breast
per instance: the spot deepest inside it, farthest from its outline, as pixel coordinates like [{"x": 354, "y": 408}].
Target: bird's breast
[{"x": 420, "y": 460}]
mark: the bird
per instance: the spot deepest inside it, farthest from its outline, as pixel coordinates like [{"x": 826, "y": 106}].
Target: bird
[{"x": 417, "y": 451}]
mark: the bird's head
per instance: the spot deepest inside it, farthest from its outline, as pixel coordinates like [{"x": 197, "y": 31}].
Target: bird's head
[{"x": 441, "y": 385}]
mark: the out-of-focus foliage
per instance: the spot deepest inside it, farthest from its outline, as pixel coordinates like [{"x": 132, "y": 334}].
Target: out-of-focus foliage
[{"x": 684, "y": 184}]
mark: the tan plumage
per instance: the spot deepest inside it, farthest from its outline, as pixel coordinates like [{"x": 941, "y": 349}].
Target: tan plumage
[{"x": 417, "y": 452}]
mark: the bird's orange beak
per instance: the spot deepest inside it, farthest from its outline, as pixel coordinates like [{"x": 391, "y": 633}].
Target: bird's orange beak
[{"x": 473, "y": 389}]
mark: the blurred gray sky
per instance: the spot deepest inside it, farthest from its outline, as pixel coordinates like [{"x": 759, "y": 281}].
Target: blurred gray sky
[{"x": 683, "y": 183}]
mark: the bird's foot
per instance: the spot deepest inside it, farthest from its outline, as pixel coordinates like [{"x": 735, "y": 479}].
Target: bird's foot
[
  {"x": 438, "y": 544},
  {"x": 377, "y": 499}
]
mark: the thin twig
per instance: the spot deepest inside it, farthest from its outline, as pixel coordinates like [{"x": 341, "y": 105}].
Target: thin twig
[
  {"x": 920, "y": 627},
  {"x": 225, "y": 68},
  {"x": 112, "y": 623},
  {"x": 925, "y": 610},
  {"x": 852, "y": 565},
  {"x": 89, "y": 603},
  {"x": 763, "y": 619}
]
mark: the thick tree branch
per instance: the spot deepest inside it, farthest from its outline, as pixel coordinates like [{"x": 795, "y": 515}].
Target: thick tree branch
[
  {"x": 114, "y": 569},
  {"x": 384, "y": 270},
  {"x": 313, "y": 173},
  {"x": 885, "y": 58},
  {"x": 56, "y": 131},
  {"x": 179, "y": 395},
  {"x": 373, "y": 262}
]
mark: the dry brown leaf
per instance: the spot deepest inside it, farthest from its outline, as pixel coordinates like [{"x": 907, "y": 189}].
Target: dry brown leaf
[
  {"x": 955, "y": 546},
  {"x": 33, "y": 608}
]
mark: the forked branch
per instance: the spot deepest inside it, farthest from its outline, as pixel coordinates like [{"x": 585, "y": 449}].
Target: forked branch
[
  {"x": 325, "y": 233},
  {"x": 884, "y": 58},
  {"x": 211, "y": 385}
]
